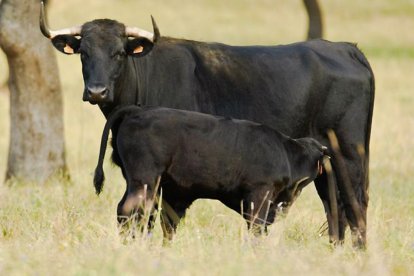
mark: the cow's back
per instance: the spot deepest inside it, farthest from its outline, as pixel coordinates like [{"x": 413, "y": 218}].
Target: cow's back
[{"x": 281, "y": 86}]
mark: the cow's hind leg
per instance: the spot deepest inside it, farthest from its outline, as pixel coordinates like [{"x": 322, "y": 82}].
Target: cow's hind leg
[
  {"x": 351, "y": 183},
  {"x": 335, "y": 213},
  {"x": 350, "y": 164}
]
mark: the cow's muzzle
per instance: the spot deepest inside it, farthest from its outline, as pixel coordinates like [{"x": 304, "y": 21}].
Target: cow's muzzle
[{"x": 97, "y": 94}]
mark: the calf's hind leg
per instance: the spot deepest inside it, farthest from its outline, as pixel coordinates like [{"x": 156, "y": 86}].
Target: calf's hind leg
[
  {"x": 174, "y": 202},
  {"x": 136, "y": 208},
  {"x": 171, "y": 214}
]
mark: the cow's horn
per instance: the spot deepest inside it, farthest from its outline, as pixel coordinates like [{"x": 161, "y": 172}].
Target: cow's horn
[
  {"x": 137, "y": 32},
  {"x": 50, "y": 33},
  {"x": 155, "y": 28}
]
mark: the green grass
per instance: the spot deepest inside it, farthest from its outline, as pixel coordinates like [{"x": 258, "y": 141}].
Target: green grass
[{"x": 63, "y": 228}]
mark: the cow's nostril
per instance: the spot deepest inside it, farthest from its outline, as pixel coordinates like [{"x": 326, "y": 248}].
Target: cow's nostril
[{"x": 97, "y": 93}]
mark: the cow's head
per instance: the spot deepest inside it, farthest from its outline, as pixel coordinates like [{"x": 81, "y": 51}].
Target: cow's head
[{"x": 104, "y": 46}]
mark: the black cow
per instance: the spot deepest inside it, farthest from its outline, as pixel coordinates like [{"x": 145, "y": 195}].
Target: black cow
[
  {"x": 302, "y": 89},
  {"x": 251, "y": 168}
]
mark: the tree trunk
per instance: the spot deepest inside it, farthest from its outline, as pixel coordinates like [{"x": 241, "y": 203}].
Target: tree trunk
[
  {"x": 315, "y": 19},
  {"x": 36, "y": 149}
]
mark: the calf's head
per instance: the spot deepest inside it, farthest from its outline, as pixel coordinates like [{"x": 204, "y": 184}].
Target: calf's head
[
  {"x": 309, "y": 156},
  {"x": 312, "y": 155},
  {"x": 104, "y": 46}
]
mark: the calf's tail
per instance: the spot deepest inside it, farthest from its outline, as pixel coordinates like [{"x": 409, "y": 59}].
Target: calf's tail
[{"x": 114, "y": 117}]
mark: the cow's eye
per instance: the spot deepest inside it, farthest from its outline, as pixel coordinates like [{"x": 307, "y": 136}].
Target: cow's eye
[
  {"x": 84, "y": 55},
  {"x": 119, "y": 55}
]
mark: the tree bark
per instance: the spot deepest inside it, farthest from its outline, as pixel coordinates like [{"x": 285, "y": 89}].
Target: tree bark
[
  {"x": 36, "y": 150},
  {"x": 315, "y": 29}
]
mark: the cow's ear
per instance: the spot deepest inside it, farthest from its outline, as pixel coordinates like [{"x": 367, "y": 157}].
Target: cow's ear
[
  {"x": 139, "y": 47},
  {"x": 67, "y": 44}
]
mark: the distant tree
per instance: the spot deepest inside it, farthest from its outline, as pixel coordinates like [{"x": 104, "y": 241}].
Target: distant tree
[
  {"x": 315, "y": 29},
  {"x": 36, "y": 149}
]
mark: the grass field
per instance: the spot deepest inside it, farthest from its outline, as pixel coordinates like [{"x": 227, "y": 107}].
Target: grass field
[{"x": 62, "y": 228}]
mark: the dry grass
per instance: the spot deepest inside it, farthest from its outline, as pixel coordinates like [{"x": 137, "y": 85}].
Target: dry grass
[{"x": 63, "y": 228}]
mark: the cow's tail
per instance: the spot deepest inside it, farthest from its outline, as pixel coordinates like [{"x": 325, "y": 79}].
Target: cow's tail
[{"x": 114, "y": 117}]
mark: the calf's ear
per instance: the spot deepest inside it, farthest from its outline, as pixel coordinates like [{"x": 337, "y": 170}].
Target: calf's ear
[
  {"x": 139, "y": 47},
  {"x": 67, "y": 44}
]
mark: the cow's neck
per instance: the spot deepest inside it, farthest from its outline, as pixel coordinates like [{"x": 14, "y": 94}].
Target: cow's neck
[{"x": 126, "y": 89}]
